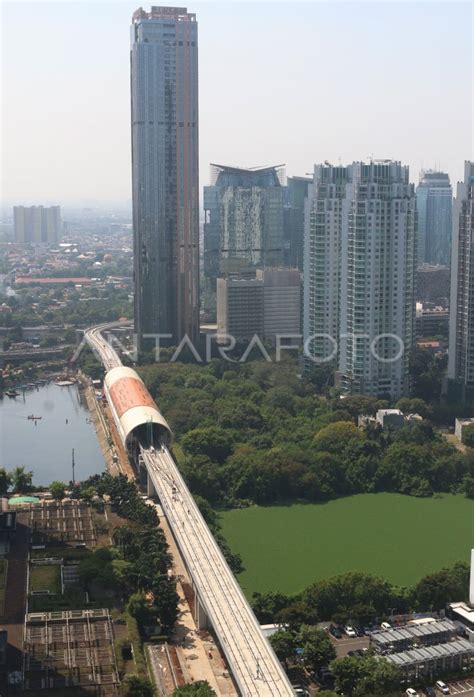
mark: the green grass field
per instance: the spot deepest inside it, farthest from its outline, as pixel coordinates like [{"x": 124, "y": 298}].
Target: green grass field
[
  {"x": 46, "y": 578},
  {"x": 401, "y": 538}
]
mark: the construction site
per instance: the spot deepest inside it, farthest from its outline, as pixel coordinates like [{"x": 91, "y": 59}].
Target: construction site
[
  {"x": 70, "y": 649},
  {"x": 62, "y": 522}
]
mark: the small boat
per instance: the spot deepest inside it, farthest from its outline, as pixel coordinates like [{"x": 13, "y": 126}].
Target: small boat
[
  {"x": 32, "y": 417},
  {"x": 12, "y": 393},
  {"x": 65, "y": 383}
]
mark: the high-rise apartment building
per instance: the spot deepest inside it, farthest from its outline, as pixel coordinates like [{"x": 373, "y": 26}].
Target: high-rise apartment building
[
  {"x": 360, "y": 261},
  {"x": 243, "y": 225},
  {"x": 322, "y": 259},
  {"x": 461, "y": 321},
  {"x": 164, "y": 102},
  {"x": 37, "y": 225},
  {"x": 434, "y": 199}
]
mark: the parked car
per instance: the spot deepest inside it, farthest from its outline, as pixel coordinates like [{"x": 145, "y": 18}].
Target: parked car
[
  {"x": 300, "y": 690},
  {"x": 386, "y": 625},
  {"x": 442, "y": 687},
  {"x": 429, "y": 691},
  {"x": 326, "y": 677},
  {"x": 335, "y": 631},
  {"x": 359, "y": 630},
  {"x": 411, "y": 692},
  {"x": 350, "y": 631}
]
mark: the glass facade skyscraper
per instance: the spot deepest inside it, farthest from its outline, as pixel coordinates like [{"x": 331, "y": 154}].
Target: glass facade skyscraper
[
  {"x": 243, "y": 225},
  {"x": 434, "y": 200},
  {"x": 293, "y": 234},
  {"x": 164, "y": 103}
]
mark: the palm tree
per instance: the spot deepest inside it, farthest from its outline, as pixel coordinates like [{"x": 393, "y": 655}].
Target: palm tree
[{"x": 21, "y": 480}]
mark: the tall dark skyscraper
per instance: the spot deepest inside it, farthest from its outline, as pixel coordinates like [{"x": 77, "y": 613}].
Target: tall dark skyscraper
[
  {"x": 293, "y": 226},
  {"x": 434, "y": 201},
  {"x": 164, "y": 100}
]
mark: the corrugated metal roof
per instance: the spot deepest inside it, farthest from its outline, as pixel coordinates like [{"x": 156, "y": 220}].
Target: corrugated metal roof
[
  {"x": 413, "y": 632},
  {"x": 431, "y": 653}
]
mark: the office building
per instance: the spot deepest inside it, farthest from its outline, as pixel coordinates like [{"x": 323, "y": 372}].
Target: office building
[
  {"x": 434, "y": 200},
  {"x": 37, "y": 225},
  {"x": 269, "y": 304},
  {"x": 431, "y": 321},
  {"x": 164, "y": 103},
  {"x": 461, "y": 316},
  {"x": 240, "y": 307},
  {"x": 360, "y": 260},
  {"x": 281, "y": 303},
  {"x": 243, "y": 223},
  {"x": 293, "y": 221}
]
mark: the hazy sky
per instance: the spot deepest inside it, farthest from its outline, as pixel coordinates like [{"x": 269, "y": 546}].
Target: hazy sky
[{"x": 280, "y": 82}]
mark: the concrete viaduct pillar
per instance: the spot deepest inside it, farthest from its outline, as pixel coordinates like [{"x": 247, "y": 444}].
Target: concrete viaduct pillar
[
  {"x": 201, "y": 618},
  {"x": 150, "y": 489}
]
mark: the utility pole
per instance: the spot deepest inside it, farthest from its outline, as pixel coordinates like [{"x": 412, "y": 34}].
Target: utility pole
[{"x": 73, "y": 464}]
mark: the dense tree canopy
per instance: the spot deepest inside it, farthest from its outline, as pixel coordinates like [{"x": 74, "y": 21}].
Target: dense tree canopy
[
  {"x": 468, "y": 435},
  {"x": 318, "y": 649},
  {"x": 361, "y": 597},
  {"x": 363, "y": 676},
  {"x": 254, "y": 432},
  {"x": 137, "y": 566}
]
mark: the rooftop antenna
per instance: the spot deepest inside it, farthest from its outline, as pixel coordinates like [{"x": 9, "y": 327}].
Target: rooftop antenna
[{"x": 73, "y": 465}]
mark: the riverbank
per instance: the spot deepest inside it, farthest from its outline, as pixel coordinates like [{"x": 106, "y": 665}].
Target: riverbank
[
  {"x": 116, "y": 459},
  {"x": 401, "y": 538}
]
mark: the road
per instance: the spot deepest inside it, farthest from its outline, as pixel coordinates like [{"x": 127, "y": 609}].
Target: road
[{"x": 255, "y": 668}]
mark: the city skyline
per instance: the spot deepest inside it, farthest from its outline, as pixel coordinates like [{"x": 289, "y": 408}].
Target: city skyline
[{"x": 81, "y": 101}]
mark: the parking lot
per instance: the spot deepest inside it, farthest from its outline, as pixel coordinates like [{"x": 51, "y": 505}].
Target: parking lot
[
  {"x": 344, "y": 645},
  {"x": 463, "y": 687}
]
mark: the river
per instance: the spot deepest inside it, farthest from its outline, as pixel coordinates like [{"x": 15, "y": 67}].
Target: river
[{"x": 46, "y": 448}]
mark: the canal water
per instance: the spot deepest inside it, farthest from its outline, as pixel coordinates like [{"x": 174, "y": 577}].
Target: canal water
[{"x": 46, "y": 449}]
